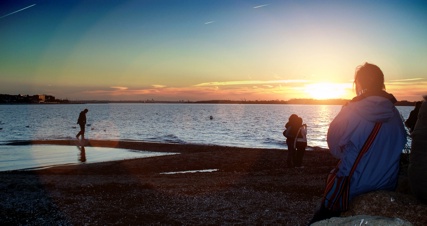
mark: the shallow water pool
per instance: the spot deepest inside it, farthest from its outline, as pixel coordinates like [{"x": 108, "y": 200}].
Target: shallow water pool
[{"x": 19, "y": 157}]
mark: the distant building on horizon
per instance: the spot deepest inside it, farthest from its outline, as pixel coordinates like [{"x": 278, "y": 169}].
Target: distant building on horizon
[{"x": 27, "y": 99}]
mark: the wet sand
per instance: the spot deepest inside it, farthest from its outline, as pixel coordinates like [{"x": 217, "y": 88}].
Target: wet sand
[
  {"x": 247, "y": 187},
  {"x": 21, "y": 157}
]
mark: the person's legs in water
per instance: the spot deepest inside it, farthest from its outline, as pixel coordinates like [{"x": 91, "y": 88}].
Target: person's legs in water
[{"x": 82, "y": 132}]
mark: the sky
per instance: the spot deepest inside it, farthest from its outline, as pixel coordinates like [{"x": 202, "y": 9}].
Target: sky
[{"x": 209, "y": 49}]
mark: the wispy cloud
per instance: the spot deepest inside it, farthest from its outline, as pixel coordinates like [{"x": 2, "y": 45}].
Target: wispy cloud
[
  {"x": 260, "y": 6},
  {"x": 158, "y": 86},
  {"x": 250, "y": 82},
  {"x": 119, "y": 87},
  {"x": 407, "y": 80},
  {"x": 17, "y": 11},
  {"x": 209, "y": 22}
]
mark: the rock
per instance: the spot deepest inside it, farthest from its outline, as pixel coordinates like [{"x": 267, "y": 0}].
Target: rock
[
  {"x": 364, "y": 220},
  {"x": 387, "y": 204}
]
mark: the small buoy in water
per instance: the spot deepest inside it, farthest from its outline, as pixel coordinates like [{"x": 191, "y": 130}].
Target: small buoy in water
[{"x": 211, "y": 117}]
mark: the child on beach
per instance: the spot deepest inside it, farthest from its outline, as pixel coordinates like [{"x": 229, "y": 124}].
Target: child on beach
[{"x": 368, "y": 137}]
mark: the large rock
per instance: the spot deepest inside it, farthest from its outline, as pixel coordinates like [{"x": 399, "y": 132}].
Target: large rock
[
  {"x": 390, "y": 205},
  {"x": 364, "y": 220}
]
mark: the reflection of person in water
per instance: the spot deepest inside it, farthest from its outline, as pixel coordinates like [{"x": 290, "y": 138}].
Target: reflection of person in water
[
  {"x": 82, "y": 123},
  {"x": 82, "y": 156}
]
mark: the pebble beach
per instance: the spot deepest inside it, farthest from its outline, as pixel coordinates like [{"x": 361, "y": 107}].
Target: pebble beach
[{"x": 200, "y": 185}]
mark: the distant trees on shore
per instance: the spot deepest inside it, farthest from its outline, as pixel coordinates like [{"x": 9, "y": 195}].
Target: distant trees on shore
[
  {"x": 37, "y": 99},
  {"x": 29, "y": 99},
  {"x": 296, "y": 101}
]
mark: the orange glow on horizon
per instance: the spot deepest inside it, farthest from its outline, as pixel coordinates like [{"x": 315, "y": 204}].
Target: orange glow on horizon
[
  {"x": 325, "y": 90},
  {"x": 249, "y": 90}
]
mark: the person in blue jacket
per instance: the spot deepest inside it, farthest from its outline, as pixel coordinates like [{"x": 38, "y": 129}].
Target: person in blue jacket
[{"x": 378, "y": 168}]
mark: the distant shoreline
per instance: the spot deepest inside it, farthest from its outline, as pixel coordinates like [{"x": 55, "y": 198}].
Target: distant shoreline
[{"x": 293, "y": 101}]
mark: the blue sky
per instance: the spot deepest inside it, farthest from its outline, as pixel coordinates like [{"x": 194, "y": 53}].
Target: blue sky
[{"x": 202, "y": 50}]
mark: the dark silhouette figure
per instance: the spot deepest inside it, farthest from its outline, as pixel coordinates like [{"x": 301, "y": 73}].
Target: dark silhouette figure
[
  {"x": 412, "y": 119},
  {"x": 300, "y": 143},
  {"x": 417, "y": 170},
  {"x": 291, "y": 133},
  {"x": 82, "y": 123},
  {"x": 368, "y": 137}
]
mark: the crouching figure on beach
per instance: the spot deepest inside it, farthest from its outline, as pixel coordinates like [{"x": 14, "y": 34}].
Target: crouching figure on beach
[{"x": 367, "y": 136}]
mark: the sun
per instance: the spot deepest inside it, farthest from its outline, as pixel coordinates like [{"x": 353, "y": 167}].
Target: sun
[{"x": 324, "y": 90}]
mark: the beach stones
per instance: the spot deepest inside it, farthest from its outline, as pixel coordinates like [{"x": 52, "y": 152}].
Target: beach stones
[{"x": 364, "y": 220}]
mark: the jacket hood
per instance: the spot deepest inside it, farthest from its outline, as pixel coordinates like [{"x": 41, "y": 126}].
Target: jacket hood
[{"x": 374, "y": 107}]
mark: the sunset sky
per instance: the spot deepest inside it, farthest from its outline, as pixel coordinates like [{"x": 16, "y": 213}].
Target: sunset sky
[{"x": 209, "y": 49}]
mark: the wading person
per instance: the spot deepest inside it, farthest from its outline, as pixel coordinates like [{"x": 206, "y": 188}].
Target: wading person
[
  {"x": 82, "y": 123},
  {"x": 368, "y": 137}
]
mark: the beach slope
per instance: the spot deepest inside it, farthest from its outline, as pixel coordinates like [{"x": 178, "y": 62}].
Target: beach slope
[{"x": 246, "y": 187}]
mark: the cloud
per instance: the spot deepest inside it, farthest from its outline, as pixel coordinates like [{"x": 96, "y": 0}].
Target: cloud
[
  {"x": 260, "y": 6},
  {"x": 209, "y": 22},
  {"x": 230, "y": 90},
  {"x": 250, "y": 82},
  {"x": 407, "y": 80},
  {"x": 17, "y": 11},
  {"x": 158, "y": 86},
  {"x": 119, "y": 87}
]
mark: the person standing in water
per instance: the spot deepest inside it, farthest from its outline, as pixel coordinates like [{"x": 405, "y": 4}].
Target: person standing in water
[{"x": 82, "y": 123}]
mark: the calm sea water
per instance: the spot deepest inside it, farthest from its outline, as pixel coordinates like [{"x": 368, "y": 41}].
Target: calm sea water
[{"x": 240, "y": 125}]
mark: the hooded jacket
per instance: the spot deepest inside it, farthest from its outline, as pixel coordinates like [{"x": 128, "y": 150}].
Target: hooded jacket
[{"x": 378, "y": 168}]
